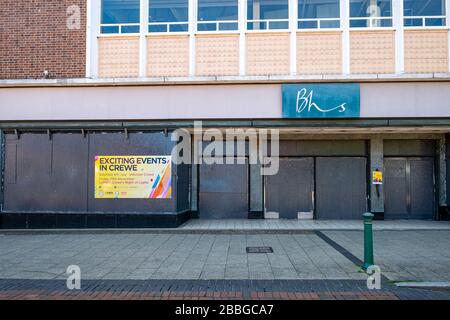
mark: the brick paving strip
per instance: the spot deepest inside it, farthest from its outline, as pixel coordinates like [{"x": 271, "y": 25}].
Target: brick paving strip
[{"x": 19, "y": 289}]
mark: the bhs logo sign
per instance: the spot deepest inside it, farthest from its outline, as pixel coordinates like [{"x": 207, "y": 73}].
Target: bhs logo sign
[{"x": 321, "y": 100}]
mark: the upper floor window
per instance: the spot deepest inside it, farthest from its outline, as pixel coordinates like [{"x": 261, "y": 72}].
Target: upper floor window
[
  {"x": 214, "y": 15},
  {"x": 120, "y": 16},
  {"x": 168, "y": 16},
  {"x": 370, "y": 13},
  {"x": 424, "y": 13},
  {"x": 318, "y": 14},
  {"x": 267, "y": 14}
]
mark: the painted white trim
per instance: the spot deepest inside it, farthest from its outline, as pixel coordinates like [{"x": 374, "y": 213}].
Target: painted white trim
[
  {"x": 370, "y": 20},
  {"x": 167, "y": 26},
  {"x": 447, "y": 10},
  {"x": 293, "y": 21},
  {"x": 143, "y": 38},
  {"x": 345, "y": 25},
  {"x": 398, "y": 23},
  {"x": 94, "y": 21},
  {"x": 318, "y": 21},
  {"x": 217, "y": 24},
  {"x": 426, "y": 28},
  {"x": 423, "y": 20},
  {"x": 372, "y": 29},
  {"x": 159, "y": 34},
  {"x": 242, "y": 44},
  {"x": 192, "y": 9},
  {"x": 236, "y": 32},
  {"x": 88, "y": 37}
]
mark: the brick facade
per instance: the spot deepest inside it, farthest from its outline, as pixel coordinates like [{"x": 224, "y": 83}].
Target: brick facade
[{"x": 34, "y": 37}]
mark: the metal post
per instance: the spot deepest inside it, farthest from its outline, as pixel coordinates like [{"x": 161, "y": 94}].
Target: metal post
[{"x": 368, "y": 240}]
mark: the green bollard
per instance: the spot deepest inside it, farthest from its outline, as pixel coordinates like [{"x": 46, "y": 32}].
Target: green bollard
[{"x": 368, "y": 240}]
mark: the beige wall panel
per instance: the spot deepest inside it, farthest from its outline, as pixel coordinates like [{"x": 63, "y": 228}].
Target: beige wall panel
[
  {"x": 372, "y": 51},
  {"x": 426, "y": 51},
  {"x": 268, "y": 54},
  {"x": 217, "y": 55},
  {"x": 118, "y": 57},
  {"x": 319, "y": 53},
  {"x": 168, "y": 56}
]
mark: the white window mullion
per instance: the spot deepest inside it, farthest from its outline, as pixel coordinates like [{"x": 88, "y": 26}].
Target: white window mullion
[
  {"x": 89, "y": 38},
  {"x": 447, "y": 16},
  {"x": 92, "y": 32},
  {"x": 397, "y": 16},
  {"x": 242, "y": 18},
  {"x": 293, "y": 18},
  {"x": 192, "y": 30},
  {"x": 345, "y": 25},
  {"x": 143, "y": 38}
]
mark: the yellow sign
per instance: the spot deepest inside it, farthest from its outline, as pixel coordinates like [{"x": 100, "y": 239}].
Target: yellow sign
[
  {"x": 377, "y": 177},
  {"x": 133, "y": 177}
]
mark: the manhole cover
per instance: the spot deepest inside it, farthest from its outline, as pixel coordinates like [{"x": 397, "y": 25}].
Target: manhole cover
[{"x": 259, "y": 250}]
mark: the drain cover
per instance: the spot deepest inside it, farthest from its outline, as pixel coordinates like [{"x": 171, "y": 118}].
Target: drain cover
[{"x": 259, "y": 250}]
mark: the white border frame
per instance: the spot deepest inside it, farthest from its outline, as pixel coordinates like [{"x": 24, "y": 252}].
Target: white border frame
[
  {"x": 143, "y": 38},
  {"x": 447, "y": 10},
  {"x": 398, "y": 24},
  {"x": 293, "y": 26},
  {"x": 242, "y": 14},
  {"x": 192, "y": 19},
  {"x": 344, "y": 7}
]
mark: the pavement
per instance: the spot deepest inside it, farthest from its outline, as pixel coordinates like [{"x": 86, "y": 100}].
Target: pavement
[
  {"x": 404, "y": 256},
  {"x": 305, "y": 264},
  {"x": 284, "y": 225},
  {"x": 173, "y": 256}
]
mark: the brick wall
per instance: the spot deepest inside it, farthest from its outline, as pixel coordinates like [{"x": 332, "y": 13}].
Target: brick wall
[{"x": 34, "y": 37}]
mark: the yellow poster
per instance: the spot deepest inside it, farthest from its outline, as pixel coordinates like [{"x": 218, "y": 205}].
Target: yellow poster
[
  {"x": 377, "y": 177},
  {"x": 133, "y": 177}
]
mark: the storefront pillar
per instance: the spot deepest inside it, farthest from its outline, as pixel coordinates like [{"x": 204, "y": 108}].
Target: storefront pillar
[
  {"x": 256, "y": 191},
  {"x": 376, "y": 164},
  {"x": 194, "y": 188},
  {"x": 2, "y": 152},
  {"x": 442, "y": 176}
]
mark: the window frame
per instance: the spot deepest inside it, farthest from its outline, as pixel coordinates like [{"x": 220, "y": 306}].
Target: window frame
[
  {"x": 267, "y": 22},
  {"x": 371, "y": 20},
  {"x": 217, "y": 23},
  {"x": 118, "y": 25},
  {"x": 168, "y": 25},
  {"x": 319, "y": 22},
  {"x": 423, "y": 19}
]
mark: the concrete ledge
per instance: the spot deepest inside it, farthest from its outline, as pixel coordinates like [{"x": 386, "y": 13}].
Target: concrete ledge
[{"x": 224, "y": 80}]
